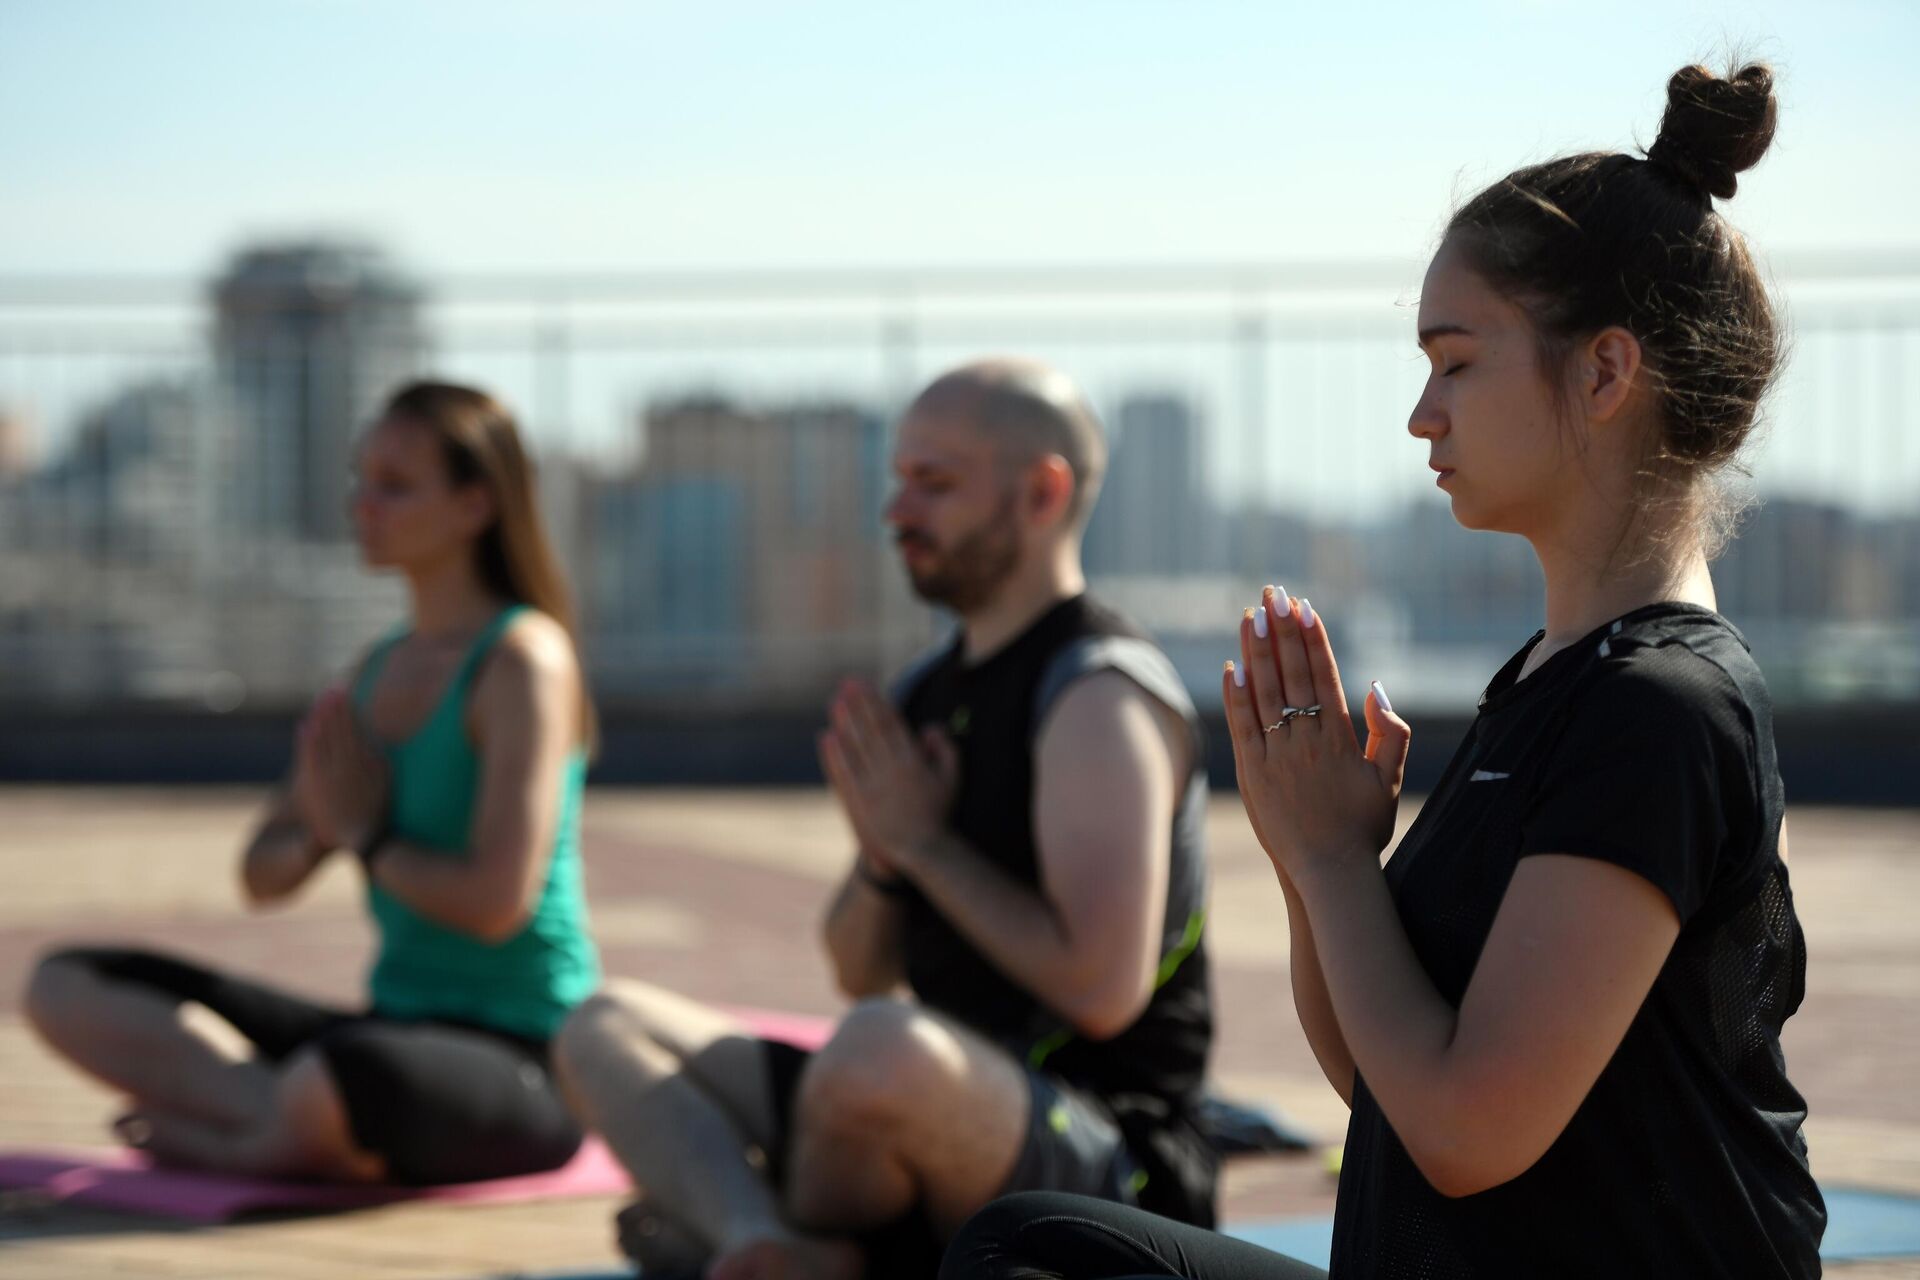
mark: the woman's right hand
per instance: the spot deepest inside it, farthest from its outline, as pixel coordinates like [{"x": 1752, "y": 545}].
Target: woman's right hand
[
  {"x": 1312, "y": 793},
  {"x": 339, "y": 786},
  {"x": 343, "y": 778},
  {"x": 309, "y": 784}
]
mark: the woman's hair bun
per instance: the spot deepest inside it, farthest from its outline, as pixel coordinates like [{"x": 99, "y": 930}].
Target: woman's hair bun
[{"x": 1715, "y": 128}]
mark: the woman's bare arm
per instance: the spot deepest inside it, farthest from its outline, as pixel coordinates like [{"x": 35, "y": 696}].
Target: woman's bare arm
[
  {"x": 524, "y": 714},
  {"x": 281, "y": 856}
]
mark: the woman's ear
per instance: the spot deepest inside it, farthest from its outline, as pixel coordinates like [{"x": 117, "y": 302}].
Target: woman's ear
[
  {"x": 1610, "y": 366},
  {"x": 478, "y": 510}
]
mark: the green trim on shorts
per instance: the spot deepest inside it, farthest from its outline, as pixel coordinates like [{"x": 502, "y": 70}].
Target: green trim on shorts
[
  {"x": 1189, "y": 940},
  {"x": 1044, "y": 1048}
]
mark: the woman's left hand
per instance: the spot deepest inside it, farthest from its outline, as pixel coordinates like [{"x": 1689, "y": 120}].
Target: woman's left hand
[
  {"x": 1310, "y": 790},
  {"x": 344, "y": 775}
]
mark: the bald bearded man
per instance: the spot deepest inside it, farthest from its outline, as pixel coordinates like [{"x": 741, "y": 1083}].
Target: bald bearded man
[{"x": 1021, "y": 927}]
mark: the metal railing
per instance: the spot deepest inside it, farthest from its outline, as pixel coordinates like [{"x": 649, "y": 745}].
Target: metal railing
[{"x": 713, "y": 453}]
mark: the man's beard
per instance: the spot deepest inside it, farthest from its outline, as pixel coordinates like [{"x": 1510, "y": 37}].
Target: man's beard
[{"x": 967, "y": 577}]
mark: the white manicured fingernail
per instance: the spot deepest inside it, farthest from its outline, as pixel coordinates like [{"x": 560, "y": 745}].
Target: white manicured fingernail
[
  {"x": 1307, "y": 619},
  {"x": 1380, "y": 696},
  {"x": 1260, "y": 621},
  {"x": 1239, "y": 676}
]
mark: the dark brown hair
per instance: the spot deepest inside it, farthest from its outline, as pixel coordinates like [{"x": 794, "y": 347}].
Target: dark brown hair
[
  {"x": 481, "y": 445},
  {"x": 1590, "y": 241}
]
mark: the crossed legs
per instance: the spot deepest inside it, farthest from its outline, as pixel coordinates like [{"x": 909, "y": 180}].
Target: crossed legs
[
  {"x": 901, "y": 1109},
  {"x": 199, "y": 1095}
]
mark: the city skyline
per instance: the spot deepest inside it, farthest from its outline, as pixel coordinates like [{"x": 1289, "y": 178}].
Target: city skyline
[
  {"x": 1305, "y": 377},
  {"x": 186, "y": 540}
]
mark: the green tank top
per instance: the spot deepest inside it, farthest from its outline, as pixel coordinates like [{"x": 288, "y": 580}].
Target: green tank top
[{"x": 525, "y": 985}]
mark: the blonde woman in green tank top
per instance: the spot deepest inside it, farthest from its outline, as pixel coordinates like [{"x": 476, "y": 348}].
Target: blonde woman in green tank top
[{"x": 451, "y": 769}]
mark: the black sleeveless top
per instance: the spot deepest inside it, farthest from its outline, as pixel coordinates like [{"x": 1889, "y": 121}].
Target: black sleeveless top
[
  {"x": 1149, "y": 1075},
  {"x": 1648, "y": 744}
]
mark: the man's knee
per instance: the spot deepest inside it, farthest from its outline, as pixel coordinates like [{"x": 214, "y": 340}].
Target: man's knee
[
  {"x": 583, "y": 1040},
  {"x": 886, "y": 1060},
  {"x": 614, "y": 1033}
]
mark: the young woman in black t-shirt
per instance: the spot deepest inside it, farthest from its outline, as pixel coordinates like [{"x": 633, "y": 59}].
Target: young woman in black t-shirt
[{"x": 1556, "y": 1012}]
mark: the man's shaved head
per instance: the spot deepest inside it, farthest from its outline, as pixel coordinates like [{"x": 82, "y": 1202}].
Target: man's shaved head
[{"x": 1030, "y": 410}]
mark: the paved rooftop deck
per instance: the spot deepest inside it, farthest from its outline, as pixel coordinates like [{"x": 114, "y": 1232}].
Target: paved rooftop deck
[{"x": 717, "y": 893}]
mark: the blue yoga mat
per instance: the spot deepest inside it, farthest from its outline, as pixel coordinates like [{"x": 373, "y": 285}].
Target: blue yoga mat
[
  {"x": 1308, "y": 1240},
  {"x": 1860, "y": 1224},
  {"x": 1870, "y": 1224}
]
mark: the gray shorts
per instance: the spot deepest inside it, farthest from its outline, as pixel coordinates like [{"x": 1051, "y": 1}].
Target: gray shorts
[{"x": 1073, "y": 1144}]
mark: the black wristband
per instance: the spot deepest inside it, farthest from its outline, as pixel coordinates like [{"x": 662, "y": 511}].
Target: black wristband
[
  {"x": 892, "y": 886},
  {"x": 377, "y": 839}
]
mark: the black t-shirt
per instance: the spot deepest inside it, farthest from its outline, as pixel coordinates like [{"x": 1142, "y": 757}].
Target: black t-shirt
[
  {"x": 1149, "y": 1075},
  {"x": 1648, "y": 744}
]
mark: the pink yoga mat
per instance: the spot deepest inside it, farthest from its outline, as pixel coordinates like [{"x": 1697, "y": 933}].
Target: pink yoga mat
[
  {"x": 803, "y": 1030},
  {"x": 115, "y": 1178}
]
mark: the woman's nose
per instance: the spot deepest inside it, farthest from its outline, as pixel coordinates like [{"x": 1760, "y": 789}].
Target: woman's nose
[{"x": 1427, "y": 421}]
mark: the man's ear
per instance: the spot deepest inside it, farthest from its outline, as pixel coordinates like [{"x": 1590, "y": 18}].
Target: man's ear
[
  {"x": 1050, "y": 489},
  {"x": 1610, "y": 368}
]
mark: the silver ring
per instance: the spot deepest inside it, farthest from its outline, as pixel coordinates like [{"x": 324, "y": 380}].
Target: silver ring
[{"x": 1287, "y": 716}]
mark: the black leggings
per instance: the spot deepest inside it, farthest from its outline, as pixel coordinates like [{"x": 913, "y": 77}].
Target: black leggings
[
  {"x": 1043, "y": 1235},
  {"x": 442, "y": 1102}
]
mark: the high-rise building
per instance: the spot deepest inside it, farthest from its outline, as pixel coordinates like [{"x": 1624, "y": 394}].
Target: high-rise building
[
  {"x": 136, "y": 481},
  {"x": 1152, "y": 517},
  {"x": 309, "y": 339},
  {"x": 1461, "y": 588},
  {"x": 114, "y": 533},
  {"x": 749, "y": 548}
]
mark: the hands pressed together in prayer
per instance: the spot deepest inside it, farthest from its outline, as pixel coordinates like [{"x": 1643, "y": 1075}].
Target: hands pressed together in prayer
[
  {"x": 340, "y": 780},
  {"x": 1314, "y": 796},
  {"x": 896, "y": 787}
]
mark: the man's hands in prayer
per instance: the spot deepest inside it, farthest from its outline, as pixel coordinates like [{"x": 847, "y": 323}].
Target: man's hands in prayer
[{"x": 895, "y": 788}]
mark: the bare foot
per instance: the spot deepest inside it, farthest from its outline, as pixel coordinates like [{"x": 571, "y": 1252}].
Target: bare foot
[
  {"x": 648, "y": 1236},
  {"x": 158, "y": 1135},
  {"x": 796, "y": 1259},
  {"x": 133, "y": 1129},
  {"x": 155, "y": 1135}
]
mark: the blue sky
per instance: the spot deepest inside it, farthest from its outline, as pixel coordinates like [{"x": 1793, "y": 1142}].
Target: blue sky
[{"x": 574, "y": 134}]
